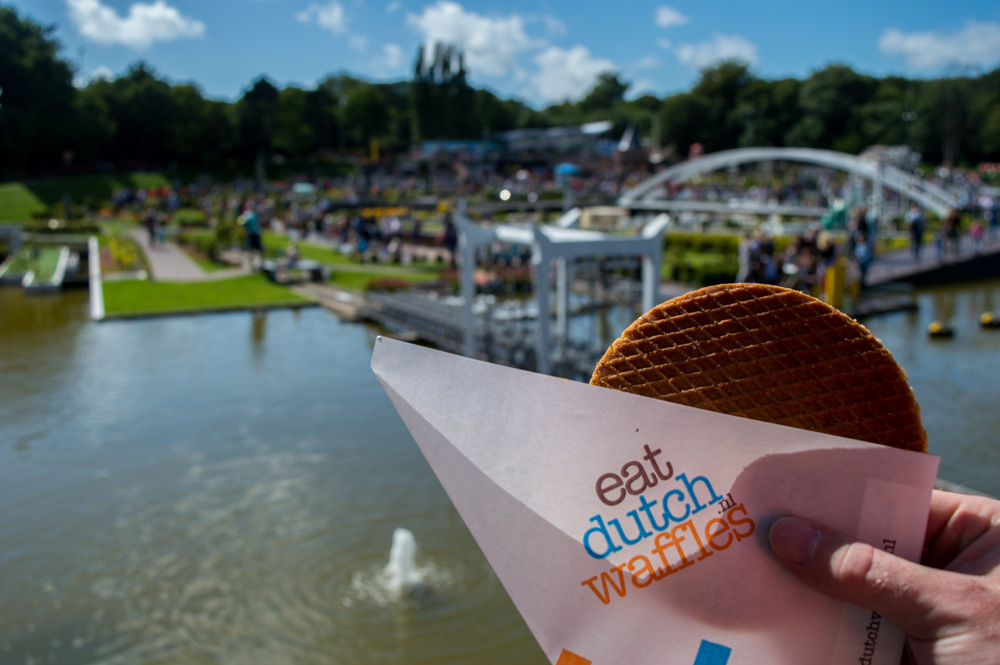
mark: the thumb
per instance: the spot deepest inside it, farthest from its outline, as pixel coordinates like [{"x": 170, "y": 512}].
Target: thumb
[{"x": 905, "y": 593}]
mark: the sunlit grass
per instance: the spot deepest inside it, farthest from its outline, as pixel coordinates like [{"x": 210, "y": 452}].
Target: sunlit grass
[
  {"x": 19, "y": 201},
  {"x": 132, "y": 298},
  {"x": 42, "y": 260}
]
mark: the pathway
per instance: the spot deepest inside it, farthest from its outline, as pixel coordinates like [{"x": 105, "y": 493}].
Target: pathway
[
  {"x": 900, "y": 266},
  {"x": 169, "y": 263}
]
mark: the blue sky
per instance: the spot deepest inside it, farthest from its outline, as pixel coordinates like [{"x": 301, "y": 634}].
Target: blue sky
[{"x": 540, "y": 51}]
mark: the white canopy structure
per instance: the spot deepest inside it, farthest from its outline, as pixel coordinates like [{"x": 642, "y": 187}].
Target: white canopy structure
[{"x": 560, "y": 244}]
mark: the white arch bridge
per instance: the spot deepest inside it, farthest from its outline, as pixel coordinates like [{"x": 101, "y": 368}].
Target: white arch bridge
[{"x": 648, "y": 195}]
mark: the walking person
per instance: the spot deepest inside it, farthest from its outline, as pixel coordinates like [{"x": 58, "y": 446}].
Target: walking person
[
  {"x": 450, "y": 239},
  {"x": 864, "y": 256},
  {"x": 951, "y": 230},
  {"x": 251, "y": 224},
  {"x": 976, "y": 233},
  {"x": 915, "y": 226},
  {"x": 991, "y": 215}
]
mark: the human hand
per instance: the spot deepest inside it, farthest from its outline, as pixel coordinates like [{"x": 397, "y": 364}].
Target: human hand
[{"x": 948, "y": 606}]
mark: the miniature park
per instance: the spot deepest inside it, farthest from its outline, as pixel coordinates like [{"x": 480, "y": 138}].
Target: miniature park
[{"x": 200, "y": 465}]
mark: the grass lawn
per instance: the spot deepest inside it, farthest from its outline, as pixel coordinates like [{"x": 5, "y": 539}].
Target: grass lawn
[
  {"x": 207, "y": 265},
  {"x": 358, "y": 278},
  {"x": 117, "y": 226},
  {"x": 42, "y": 260},
  {"x": 17, "y": 203},
  {"x": 141, "y": 297},
  {"x": 348, "y": 273},
  {"x": 275, "y": 243},
  {"x": 20, "y": 200}
]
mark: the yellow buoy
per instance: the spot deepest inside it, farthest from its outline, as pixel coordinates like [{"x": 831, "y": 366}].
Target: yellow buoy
[
  {"x": 987, "y": 320},
  {"x": 938, "y": 329}
]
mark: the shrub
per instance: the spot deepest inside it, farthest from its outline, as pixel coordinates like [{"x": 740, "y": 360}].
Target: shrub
[
  {"x": 74, "y": 226},
  {"x": 191, "y": 217},
  {"x": 124, "y": 254},
  {"x": 388, "y": 284}
]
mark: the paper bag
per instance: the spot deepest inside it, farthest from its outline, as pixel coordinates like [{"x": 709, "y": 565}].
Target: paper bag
[{"x": 632, "y": 530}]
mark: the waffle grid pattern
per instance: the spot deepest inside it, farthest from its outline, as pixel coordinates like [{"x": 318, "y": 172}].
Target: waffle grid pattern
[{"x": 771, "y": 354}]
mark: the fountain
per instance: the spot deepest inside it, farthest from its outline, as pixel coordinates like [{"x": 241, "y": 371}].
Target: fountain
[{"x": 401, "y": 574}]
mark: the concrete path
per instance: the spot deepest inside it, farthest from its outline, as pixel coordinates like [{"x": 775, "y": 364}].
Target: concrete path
[{"x": 169, "y": 263}]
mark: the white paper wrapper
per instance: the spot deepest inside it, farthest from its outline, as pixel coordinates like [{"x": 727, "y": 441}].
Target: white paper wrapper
[{"x": 632, "y": 530}]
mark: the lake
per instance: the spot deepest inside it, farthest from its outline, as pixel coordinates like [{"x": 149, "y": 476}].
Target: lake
[{"x": 224, "y": 488}]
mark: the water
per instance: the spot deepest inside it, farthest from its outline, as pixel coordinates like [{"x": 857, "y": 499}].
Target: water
[
  {"x": 401, "y": 573},
  {"x": 221, "y": 489},
  {"x": 956, "y": 380},
  {"x": 226, "y": 488}
]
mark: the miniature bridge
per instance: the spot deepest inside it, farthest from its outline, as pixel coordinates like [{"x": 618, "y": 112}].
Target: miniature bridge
[{"x": 649, "y": 195}]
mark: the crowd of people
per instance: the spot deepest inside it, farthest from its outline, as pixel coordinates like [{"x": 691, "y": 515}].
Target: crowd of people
[
  {"x": 333, "y": 210},
  {"x": 803, "y": 264}
]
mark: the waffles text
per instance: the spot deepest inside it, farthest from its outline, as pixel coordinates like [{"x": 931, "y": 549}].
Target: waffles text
[{"x": 677, "y": 541}]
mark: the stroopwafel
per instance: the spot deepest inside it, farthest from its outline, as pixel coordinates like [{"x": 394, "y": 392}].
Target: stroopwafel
[{"x": 767, "y": 353}]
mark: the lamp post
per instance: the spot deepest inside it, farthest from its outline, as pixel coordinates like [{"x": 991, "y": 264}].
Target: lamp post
[{"x": 908, "y": 117}]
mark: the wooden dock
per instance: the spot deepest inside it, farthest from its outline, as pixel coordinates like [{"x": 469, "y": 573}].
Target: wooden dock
[{"x": 505, "y": 334}]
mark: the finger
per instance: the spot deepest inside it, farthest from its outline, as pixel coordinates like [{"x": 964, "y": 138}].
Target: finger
[
  {"x": 957, "y": 525},
  {"x": 906, "y": 593},
  {"x": 943, "y": 506}
]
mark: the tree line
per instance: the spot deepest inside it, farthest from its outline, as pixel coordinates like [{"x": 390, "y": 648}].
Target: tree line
[{"x": 140, "y": 119}]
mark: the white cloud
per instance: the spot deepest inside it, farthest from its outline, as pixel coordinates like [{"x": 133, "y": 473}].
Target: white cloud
[
  {"x": 668, "y": 16},
  {"x": 392, "y": 57},
  {"x": 102, "y": 72},
  {"x": 664, "y": 44},
  {"x": 490, "y": 44},
  {"x": 554, "y": 26},
  {"x": 649, "y": 62},
  {"x": 640, "y": 88},
  {"x": 567, "y": 74},
  {"x": 393, "y": 7},
  {"x": 145, "y": 24},
  {"x": 99, "y": 73},
  {"x": 357, "y": 42},
  {"x": 976, "y": 44},
  {"x": 720, "y": 47},
  {"x": 330, "y": 16}
]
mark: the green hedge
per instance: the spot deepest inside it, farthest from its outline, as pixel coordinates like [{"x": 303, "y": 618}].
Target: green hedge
[{"x": 703, "y": 259}]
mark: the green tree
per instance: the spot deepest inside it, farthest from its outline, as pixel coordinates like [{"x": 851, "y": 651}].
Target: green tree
[
  {"x": 147, "y": 117},
  {"x": 257, "y": 111},
  {"x": 985, "y": 109},
  {"x": 95, "y": 125},
  {"x": 881, "y": 117},
  {"x": 322, "y": 108},
  {"x": 365, "y": 115},
  {"x": 941, "y": 118},
  {"x": 982, "y": 139},
  {"x": 206, "y": 133},
  {"x": 293, "y": 136},
  {"x": 494, "y": 114},
  {"x": 766, "y": 109},
  {"x": 718, "y": 89},
  {"x": 36, "y": 97},
  {"x": 441, "y": 100},
  {"x": 607, "y": 93},
  {"x": 829, "y": 99},
  {"x": 683, "y": 120}
]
